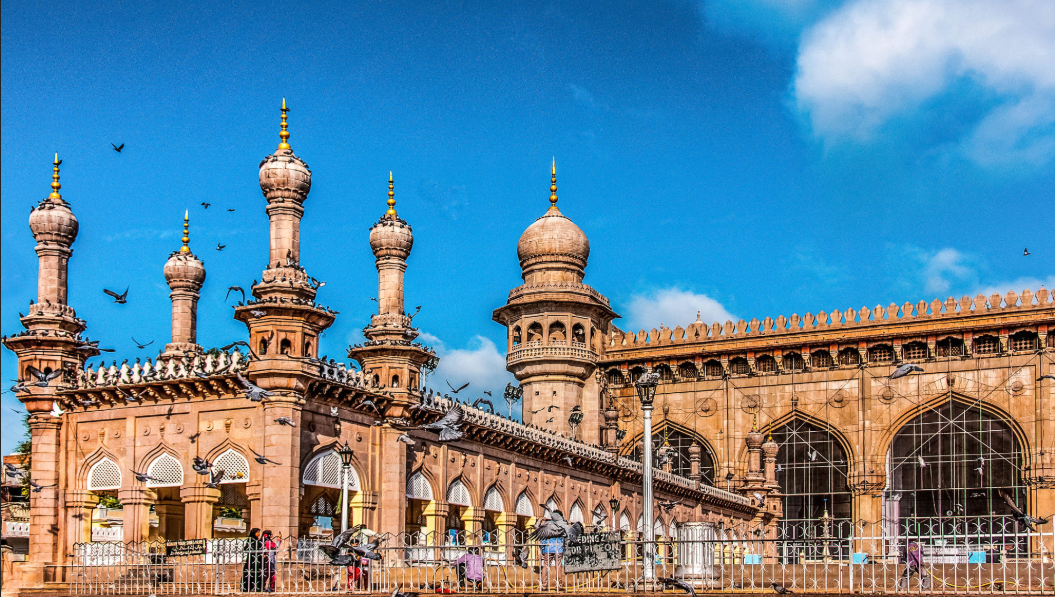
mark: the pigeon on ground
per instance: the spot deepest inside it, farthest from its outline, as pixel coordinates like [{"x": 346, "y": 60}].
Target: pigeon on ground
[
  {"x": 677, "y": 583},
  {"x": 781, "y": 590},
  {"x": 399, "y": 593}
]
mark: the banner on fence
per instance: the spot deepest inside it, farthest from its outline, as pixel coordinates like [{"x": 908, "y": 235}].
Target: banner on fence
[
  {"x": 592, "y": 552},
  {"x": 189, "y": 547}
]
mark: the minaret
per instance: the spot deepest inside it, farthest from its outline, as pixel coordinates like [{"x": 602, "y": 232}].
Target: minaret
[
  {"x": 555, "y": 323},
  {"x": 185, "y": 275},
  {"x": 390, "y": 355},
  {"x": 51, "y": 342}
]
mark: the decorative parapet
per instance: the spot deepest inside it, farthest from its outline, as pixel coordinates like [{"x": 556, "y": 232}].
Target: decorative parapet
[
  {"x": 524, "y": 289},
  {"x": 493, "y": 422},
  {"x": 864, "y": 318},
  {"x": 577, "y": 350},
  {"x": 167, "y": 367}
]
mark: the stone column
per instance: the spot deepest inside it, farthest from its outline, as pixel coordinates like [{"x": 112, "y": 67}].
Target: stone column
[
  {"x": 136, "y": 504},
  {"x": 392, "y": 481},
  {"x": 285, "y": 215},
  {"x": 474, "y": 525},
  {"x": 43, "y": 505},
  {"x": 281, "y": 509},
  {"x": 79, "y": 506},
  {"x": 256, "y": 511},
  {"x": 170, "y": 519},
  {"x": 507, "y": 524},
  {"x": 695, "y": 452},
  {"x": 52, "y": 277},
  {"x": 198, "y": 517},
  {"x": 436, "y": 520}
]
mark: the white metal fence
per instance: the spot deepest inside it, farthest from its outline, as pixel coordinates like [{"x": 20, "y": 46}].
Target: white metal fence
[{"x": 856, "y": 558}]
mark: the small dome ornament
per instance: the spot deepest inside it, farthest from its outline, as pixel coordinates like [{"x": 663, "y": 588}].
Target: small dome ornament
[
  {"x": 283, "y": 176},
  {"x": 284, "y": 133},
  {"x": 391, "y": 236},
  {"x": 184, "y": 271},
  {"x": 554, "y": 242},
  {"x": 52, "y": 221}
]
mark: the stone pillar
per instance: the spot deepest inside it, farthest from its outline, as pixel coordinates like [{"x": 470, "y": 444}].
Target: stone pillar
[
  {"x": 281, "y": 509},
  {"x": 392, "y": 480},
  {"x": 390, "y": 272},
  {"x": 43, "y": 505},
  {"x": 611, "y": 427},
  {"x": 436, "y": 520},
  {"x": 695, "y": 452},
  {"x": 52, "y": 274},
  {"x": 255, "y": 516},
  {"x": 79, "y": 506},
  {"x": 184, "y": 316},
  {"x": 170, "y": 520},
  {"x": 136, "y": 504},
  {"x": 198, "y": 516},
  {"x": 474, "y": 525},
  {"x": 507, "y": 524},
  {"x": 185, "y": 275},
  {"x": 285, "y": 214}
]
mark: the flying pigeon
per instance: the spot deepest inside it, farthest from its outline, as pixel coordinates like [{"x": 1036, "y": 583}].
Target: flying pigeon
[
  {"x": 453, "y": 391},
  {"x": 1025, "y": 521},
  {"x": 231, "y": 289},
  {"x": 118, "y": 148},
  {"x": 261, "y": 458},
  {"x": 447, "y": 427},
  {"x": 118, "y": 298},
  {"x": 252, "y": 391},
  {"x": 201, "y": 465},
  {"x": 904, "y": 370},
  {"x": 285, "y": 421},
  {"x": 43, "y": 379},
  {"x": 214, "y": 480},
  {"x": 406, "y": 439},
  {"x": 479, "y": 401},
  {"x": 37, "y": 486},
  {"x": 140, "y": 345},
  {"x": 143, "y": 477},
  {"x": 557, "y": 528}
]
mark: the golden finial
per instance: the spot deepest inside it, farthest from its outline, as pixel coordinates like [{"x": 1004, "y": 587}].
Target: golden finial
[
  {"x": 553, "y": 185},
  {"x": 186, "y": 232},
  {"x": 754, "y": 422},
  {"x": 55, "y": 186},
  {"x": 284, "y": 134},
  {"x": 391, "y": 196}
]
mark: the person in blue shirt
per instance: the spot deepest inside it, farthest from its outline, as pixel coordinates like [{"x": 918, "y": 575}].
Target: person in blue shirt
[{"x": 552, "y": 555}]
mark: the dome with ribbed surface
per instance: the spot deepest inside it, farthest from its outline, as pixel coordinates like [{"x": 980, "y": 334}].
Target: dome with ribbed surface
[
  {"x": 553, "y": 242},
  {"x": 285, "y": 176},
  {"x": 391, "y": 237},
  {"x": 183, "y": 269},
  {"x": 52, "y": 221}
]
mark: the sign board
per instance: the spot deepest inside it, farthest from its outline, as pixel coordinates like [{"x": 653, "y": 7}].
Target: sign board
[
  {"x": 190, "y": 547},
  {"x": 593, "y": 552}
]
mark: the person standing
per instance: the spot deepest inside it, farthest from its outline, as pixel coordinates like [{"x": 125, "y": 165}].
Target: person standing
[
  {"x": 552, "y": 556},
  {"x": 253, "y": 562},
  {"x": 271, "y": 545}
]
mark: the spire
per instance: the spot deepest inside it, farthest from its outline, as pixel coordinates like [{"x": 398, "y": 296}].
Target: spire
[
  {"x": 186, "y": 232},
  {"x": 284, "y": 134},
  {"x": 391, "y": 196},
  {"x": 553, "y": 185},
  {"x": 55, "y": 186}
]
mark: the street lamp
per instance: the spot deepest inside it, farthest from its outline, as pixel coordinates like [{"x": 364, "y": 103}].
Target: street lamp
[
  {"x": 613, "y": 508},
  {"x": 646, "y": 393},
  {"x": 345, "y": 452}
]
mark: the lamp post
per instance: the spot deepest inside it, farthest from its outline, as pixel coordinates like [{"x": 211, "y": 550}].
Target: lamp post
[
  {"x": 345, "y": 452},
  {"x": 646, "y": 393}
]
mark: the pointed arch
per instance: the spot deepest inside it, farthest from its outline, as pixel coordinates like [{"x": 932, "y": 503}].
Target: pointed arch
[
  {"x": 324, "y": 470},
  {"x": 234, "y": 465},
  {"x": 161, "y": 448},
  {"x": 599, "y": 514},
  {"x": 681, "y": 438},
  {"x": 525, "y": 506},
  {"x": 493, "y": 499},
  {"x": 575, "y": 514},
  {"x": 89, "y": 462},
  {"x": 104, "y": 475},
  {"x": 419, "y": 487},
  {"x": 458, "y": 493},
  {"x": 165, "y": 471},
  {"x": 837, "y": 434},
  {"x": 624, "y": 521},
  {"x": 552, "y": 505}
]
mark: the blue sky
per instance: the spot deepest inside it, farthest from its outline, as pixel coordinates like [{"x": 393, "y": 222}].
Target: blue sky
[{"x": 746, "y": 159}]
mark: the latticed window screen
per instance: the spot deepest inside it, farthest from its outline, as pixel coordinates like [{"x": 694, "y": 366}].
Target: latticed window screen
[
  {"x": 766, "y": 364},
  {"x": 104, "y": 475},
  {"x": 418, "y": 487},
  {"x": 524, "y": 506},
  {"x": 950, "y": 347},
  {"x": 712, "y": 369},
  {"x": 915, "y": 351},
  {"x": 458, "y": 494},
  {"x": 166, "y": 472},
  {"x": 325, "y": 471},
  {"x": 881, "y": 354},
  {"x": 986, "y": 345},
  {"x": 1023, "y": 341},
  {"x": 687, "y": 371},
  {"x": 821, "y": 358},
  {"x": 493, "y": 500},
  {"x": 551, "y": 505},
  {"x": 234, "y": 466},
  {"x": 739, "y": 366},
  {"x": 231, "y": 496},
  {"x": 321, "y": 507},
  {"x": 575, "y": 515},
  {"x": 794, "y": 362},
  {"x": 624, "y": 522},
  {"x": 615, "y": 378},
  {"x": 849, "y": 356}
]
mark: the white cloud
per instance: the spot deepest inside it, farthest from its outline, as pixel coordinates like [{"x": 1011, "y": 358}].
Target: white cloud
[
  {"x": 673, "y": 307},
  {"x": 480, "y": 364},
  {"x": 873, "y": 61},
  {"x": 1018, "y": 285},
  {"x": 944, "y": 268}
]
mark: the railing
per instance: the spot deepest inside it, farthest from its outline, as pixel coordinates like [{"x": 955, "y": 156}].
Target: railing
[
  {"x": 711, "y": 559},
  {"x": 15, "y": 528},
  {"x": 555, "y": 348}
]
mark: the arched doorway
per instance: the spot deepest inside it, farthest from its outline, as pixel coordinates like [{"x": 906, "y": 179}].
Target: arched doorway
[
  {"x": 946, "y": 468},
  {"x": 811, "y": 471},
  {"x": 323, "y": 496}
]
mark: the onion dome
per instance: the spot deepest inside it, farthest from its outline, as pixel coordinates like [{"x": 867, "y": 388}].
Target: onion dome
[
  {"x": 754, "y": 437},
  {"x": 183, "y": 270},
  {"x": 391, "y": 236},
  {"x": 695, "y": 451},
  {"x": 553, "y": 241},
  {"x": 51, "y": 220},
  {"x": 771, "y": 447},
  {"x": 282, "y": 174}
]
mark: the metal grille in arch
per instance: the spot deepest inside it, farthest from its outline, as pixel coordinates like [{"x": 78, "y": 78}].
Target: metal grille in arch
[
  {"x": 235, "y": 467},
  {"x": 458, "y": 494},
  {"x": 104, "y": 475},
  {"x": 524, "y": 507},
  {"x": 165, "y": 471},
  {"x": 418, "y": 487},
  {"x": 493, "y": 500},
  {"x": 325, "y": 471}
]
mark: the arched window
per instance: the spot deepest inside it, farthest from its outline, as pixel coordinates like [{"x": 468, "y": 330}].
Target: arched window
[
  {"x": 1024, "y": 341},
  {"x": 794, "y": 362},
  {"x": 821, "y": 358},
  {"x": 377, "y": 380},
  {"x": 493, "y": 500},
  {"x": 766, "y": 364},
  {"x": 418, "y": 487},
  {"x": 262, "y": 347},
  {"x": 395, "y": 381},
  {"x": 739, "y": 366},
  {"x": 534, "y": 332},
  {"x": 680, "y": 463},
  {"x": 615, "y": 377},
  {"x": 524, "y": 506},
  {"x": 458, "y": 494},
  {"x": 165, "y": 471},
  {"x": 234, "y": 466},
  {"x": 712, "y": 369},
  {"x": 687, "y": 372},
  {"x": 551, "y": 507},
  {"x": 950, "y": 347},
  {"x": 915, "y": 351},
  {"x": 883, "y": 353},
  {"x": 578, "y": 333},
  {"x": 104, "y": 475},
  {"x": 307, "y": 349},
  {"x": 624, "y": 522},
  {"x": 516, "y": 336},
  {"x": 849, "y": 356},
  {"x": 665, "y": 374},
  {"x": 575, "y": 514},
  {"x": 636, "y": 373},
  {"x": 600, "y": 515},
  {"x": 811, "y": 471},
  {"x": 324, "y": 470},
  {"x": 285, "y": 346},
  {"x": 986, "y": 345},
  {"x": 950, "y": 462},
  {"x": 557, "y": 332}
]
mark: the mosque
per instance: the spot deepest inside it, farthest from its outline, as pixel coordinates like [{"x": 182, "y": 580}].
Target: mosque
[{"x": 802, "y": 411}]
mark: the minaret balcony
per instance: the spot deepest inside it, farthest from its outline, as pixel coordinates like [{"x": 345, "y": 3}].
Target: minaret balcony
[{"x": 557, "y": 349}]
